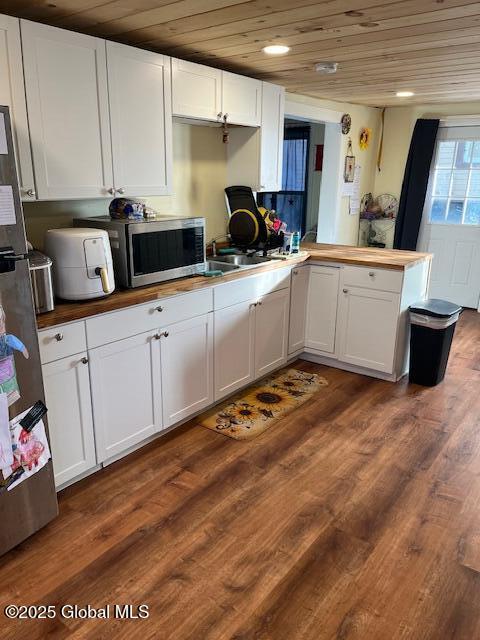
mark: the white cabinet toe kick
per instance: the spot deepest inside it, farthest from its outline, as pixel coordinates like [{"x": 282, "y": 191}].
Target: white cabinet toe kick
[{"x": 126, "y": 376}]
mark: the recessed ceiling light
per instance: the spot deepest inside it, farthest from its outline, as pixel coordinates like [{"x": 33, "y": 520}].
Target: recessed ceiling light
[
  {"x": 276, "y": 49},
  {"x": 404, "y": 94},
  {"x": 326, "y": 67}
]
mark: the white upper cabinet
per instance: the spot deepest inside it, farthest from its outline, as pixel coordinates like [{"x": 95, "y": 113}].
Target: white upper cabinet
[
  {"x": 141, "y": 120},
  {"x": 271, "y": 145},
  {"x": 67, "y": 100},
  {"x": 196, "y": 90},
  {"x": 12, "y": 94},
  {"x": 241, "y": 99}
]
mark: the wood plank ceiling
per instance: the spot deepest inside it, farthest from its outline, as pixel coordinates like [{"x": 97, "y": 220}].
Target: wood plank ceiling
[{"x": 430, "y": 47}]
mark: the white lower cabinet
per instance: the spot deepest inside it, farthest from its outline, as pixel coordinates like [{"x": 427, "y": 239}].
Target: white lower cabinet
[
  {"x": 186, "y": 355},
  {"x": 234, "y": 348},
  {"x": 67, "y": 394},
  {"x": 271, "y": 331},
  {"x": 367, "y": 327},
  {"x": 322, "y": 308},
  {"x": 298, "y": 308},
  {"x": 126, "y": 393}
]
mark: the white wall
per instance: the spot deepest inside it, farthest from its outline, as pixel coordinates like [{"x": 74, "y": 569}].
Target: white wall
[
  {"x": 317, "y": 133},
  {"x": 199, "y": 174},
  {"x": 399, "y": 124},
  {"x": 346, "y": 231}
]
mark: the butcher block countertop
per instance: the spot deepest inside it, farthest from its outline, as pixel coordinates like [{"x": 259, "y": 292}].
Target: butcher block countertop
[{"x": 364, "y": 257}]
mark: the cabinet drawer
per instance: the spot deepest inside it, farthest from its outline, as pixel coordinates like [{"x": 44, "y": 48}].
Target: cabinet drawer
[
  {"x": 380, "y": 279},
  {"x": 117, "y": 325},
  {"x": 230, "y": 293},
  {"x": 61, "y": 341}
]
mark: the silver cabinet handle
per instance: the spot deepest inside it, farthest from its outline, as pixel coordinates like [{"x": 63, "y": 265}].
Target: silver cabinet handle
[
  {"x": 159, "y": 309},
  {"x": 371, "y": 274},
  {"x": 259, "y": 303},
  {"x": 59, "y": 337},
  {"x": 345, "y": 291},
  {"x": 84, "y": 360},
  {"x": 111, "y": 191},
  {"x": 121, "y": 191},
  {"x": 295, "y": 272},
  {"x": 157, "y": 336},
  {"x": 219, "y": 115},
  {"x": 166, "y": 334},
  {"x": 225, "y": 115},
  {"x": 31, "y": 193},
  {"x": 254, "y": 304}
]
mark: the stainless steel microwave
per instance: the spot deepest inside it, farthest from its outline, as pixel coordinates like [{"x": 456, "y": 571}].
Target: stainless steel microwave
[{"x": 152, "y": 250}]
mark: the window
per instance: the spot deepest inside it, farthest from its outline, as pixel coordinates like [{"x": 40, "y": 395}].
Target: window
[{"x": 455, "y": 180}]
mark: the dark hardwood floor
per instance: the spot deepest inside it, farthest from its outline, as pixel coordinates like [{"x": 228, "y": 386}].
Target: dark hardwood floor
[{"x": 357, "y": 517}]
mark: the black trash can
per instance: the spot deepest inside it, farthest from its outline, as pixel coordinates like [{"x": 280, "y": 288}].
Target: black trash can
[{"x": 432, "y": 324}]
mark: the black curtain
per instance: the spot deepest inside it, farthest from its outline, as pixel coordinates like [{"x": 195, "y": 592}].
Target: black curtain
[{"x": 415, "y": 183}]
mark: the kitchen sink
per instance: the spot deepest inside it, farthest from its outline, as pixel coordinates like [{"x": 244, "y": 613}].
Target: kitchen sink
[
  {"x": 213, "y": 265},
  {"x": 241, "y": 260}
]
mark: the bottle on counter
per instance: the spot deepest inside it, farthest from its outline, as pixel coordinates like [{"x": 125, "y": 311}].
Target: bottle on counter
[{"x": 295, "y": 242}]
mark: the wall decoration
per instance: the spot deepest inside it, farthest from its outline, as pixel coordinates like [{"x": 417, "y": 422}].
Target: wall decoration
[
  {"x": 319, "y": 157},
  {"x": 365, "y": 136},
  {"x": 349, "y": 170},
  {"x": 346, "y": 122}
]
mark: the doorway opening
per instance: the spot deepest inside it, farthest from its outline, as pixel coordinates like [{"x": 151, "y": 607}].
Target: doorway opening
[{"x": 297, "y": 204}]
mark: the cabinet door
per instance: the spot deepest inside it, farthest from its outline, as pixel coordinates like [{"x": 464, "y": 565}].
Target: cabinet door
[
  {"x": 368, "y": 328},
  {"x": 234, "y": 348},
  {"x": 67, "y": 393},
  {"x": 12, "y": 94},
  {"x": 322, "y": 308},
  {"x": 126, "y": 393},
  {"x": 141, "y": 120},
  {"x": 241, "y": 99},
  {"x": 187, "y": 368},
  {"x": 271, "y": 332},
  {"x": 298, "y": 308},
  {"x": 196, "y": 90},
  {"x": 66, "y": 87},
  {"x": 271, "y": 148}
]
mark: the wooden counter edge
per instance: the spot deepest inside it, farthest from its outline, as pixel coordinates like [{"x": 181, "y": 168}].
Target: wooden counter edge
[{"x": 66, "y": 312}]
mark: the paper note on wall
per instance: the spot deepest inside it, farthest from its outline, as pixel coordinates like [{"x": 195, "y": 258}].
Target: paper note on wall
[
  {"x": 355, "y": 196},
  {"x": 7, "y": 205},
  {"x": 3, "y": 136}
]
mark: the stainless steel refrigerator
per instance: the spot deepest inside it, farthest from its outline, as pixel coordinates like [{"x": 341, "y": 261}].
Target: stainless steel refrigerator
[{"x": 32, "y": 503}]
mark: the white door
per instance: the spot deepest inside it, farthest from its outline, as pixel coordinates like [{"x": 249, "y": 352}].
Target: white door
[
  {"x": 12, "y": 94},
  {"x": 241, "y": 99},
  {"x": 187, "y": 368},
  {"x": 271, "y": 332},
  {"x": 196, "y": 90},
  {"x": 367, "y": 326},
  {"x": 271, "y": 151},
  {"x": 298, "y": 308},
  {"x": 141, "y": 120},
  {"x": 67, "y": 394},
  {"x": 234, "y": 348},
  {"x": 126, "y": 393},
  {"x": 322, "y": 308},
  {"x": 451, "y": 218},
  {"x": 66, "y": 87}
]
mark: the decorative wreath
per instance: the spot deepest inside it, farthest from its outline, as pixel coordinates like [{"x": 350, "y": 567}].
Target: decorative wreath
[{"x": 365, "y": 135}]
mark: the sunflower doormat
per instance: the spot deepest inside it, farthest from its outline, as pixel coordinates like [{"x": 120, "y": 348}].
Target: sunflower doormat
[{"x": 258, "y": 407}]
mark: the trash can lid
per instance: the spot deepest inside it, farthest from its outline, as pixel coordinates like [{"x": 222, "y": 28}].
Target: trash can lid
[{"x": 436, "y": 308}]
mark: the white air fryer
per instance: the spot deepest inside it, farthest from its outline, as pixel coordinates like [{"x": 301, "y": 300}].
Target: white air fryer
[{"x": 82, "y": 263}]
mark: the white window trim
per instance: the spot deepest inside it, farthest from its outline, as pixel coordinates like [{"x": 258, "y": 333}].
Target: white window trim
[{"x": 460, "y": 121}]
